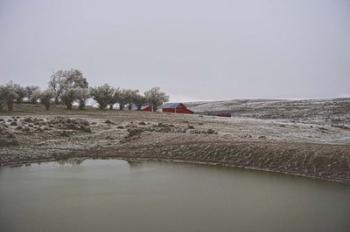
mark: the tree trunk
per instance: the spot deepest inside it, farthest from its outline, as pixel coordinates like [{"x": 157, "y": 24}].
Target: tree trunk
[
  {"x": 111, "y": 106},
  {"x": 10, "y": 106},
  {"x": 130, "y": 107},
  {"x": 57, "y": 101},
  {"x": 81, "y": 105},
  {"x": 121, "y": 106},
  {"x": 69, "y": 106},
  {"x": 47, "y": 106}
]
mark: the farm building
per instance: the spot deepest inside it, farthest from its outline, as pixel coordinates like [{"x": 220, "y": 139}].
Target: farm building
[
  {"x": 147, "y": 108},
  {"x": 176, "y": 108}
]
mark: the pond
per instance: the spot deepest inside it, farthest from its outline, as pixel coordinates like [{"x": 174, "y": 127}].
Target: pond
[{"x": 116, "y": 195}]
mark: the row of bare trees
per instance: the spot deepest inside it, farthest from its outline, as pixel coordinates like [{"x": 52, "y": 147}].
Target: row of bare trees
[
  {"x": 107, "y": 96},
  {"x": 69, "y": 87},
  {"x": 14, "y": 93}
]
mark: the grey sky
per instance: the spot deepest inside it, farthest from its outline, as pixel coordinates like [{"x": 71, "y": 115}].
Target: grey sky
[{"x": 192, "y": 49}]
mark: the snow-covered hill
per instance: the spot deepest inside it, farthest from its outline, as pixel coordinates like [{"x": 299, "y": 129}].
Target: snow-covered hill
[{"x": 334, "y": 112}]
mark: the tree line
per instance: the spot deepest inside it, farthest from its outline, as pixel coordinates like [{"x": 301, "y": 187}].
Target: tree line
[{"x": 68, "y": 87}]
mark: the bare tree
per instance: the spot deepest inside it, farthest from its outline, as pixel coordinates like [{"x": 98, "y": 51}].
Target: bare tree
[
  {"x": 35, "y": 96},
  {"x": 130, "y": 96},
  {"x": 2, "y": 97},
  {"x": 68, "y": 86},
  {"x": 83, "y": 95},
  {"x": 122, "y": 98},
  {"x": 115, "y": 98},
  {"x": 8, "y": 95},
  {"x": 103, "y": 95},
  {"x": 155, "y": 98},
  {"x": 45, "y": 98},
  {"x": 21, "y": 93},
  {"x": 29, "y": 93},
  {"x": 56, "y": 84},
  {"x": 139, "y": 101},
  {"x": 68, "y": 97},
  {"x": 74, "y": 79}
]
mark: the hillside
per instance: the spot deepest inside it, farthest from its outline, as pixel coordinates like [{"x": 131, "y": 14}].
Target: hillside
[{"x": 334, "y": 112}]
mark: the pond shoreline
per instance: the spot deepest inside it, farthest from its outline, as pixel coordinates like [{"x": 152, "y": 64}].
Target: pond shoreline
[
  {"x": 101, "y": 156},
  {"x": 28, "y": 163}
]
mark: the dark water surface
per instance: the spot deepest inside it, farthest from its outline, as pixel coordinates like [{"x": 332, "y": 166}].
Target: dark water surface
[{"x": 114, "y": 195}]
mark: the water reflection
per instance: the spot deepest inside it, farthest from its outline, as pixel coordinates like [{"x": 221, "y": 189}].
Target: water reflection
[
  {"x": 71, "y": 161},
  {"x": 134, "y": 163},
  {"x": 80, "y": 160}
]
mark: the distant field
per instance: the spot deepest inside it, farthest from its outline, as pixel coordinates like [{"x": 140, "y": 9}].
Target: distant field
[{"x": 334, "y": 112}]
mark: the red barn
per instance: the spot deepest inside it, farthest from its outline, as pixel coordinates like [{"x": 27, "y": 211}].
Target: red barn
[
  {"x": 147, "y": 108},
  {"x": 176, "y": 108}
]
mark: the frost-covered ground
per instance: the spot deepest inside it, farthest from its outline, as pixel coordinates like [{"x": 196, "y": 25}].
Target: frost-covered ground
[
  {"x": 269, "y": 138},
  {"x": 333, "y": 112}
]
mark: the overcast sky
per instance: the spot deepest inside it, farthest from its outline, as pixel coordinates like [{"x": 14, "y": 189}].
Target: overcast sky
[{"x": 192, "y": 49}]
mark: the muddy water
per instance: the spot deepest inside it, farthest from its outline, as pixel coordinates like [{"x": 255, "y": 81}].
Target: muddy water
[{"x": 114, "y": 195}]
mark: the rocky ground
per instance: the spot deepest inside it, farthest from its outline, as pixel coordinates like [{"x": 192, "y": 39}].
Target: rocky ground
[{"x": 285, "y": 146}]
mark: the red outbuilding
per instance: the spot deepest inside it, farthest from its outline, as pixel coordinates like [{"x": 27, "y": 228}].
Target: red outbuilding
[
  {"x": 147, "y": 108},
  {"x": 176, "y": 108}
]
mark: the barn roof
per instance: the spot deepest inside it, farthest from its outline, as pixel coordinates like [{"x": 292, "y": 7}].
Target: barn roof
[{"x": 171, "y": 105}]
